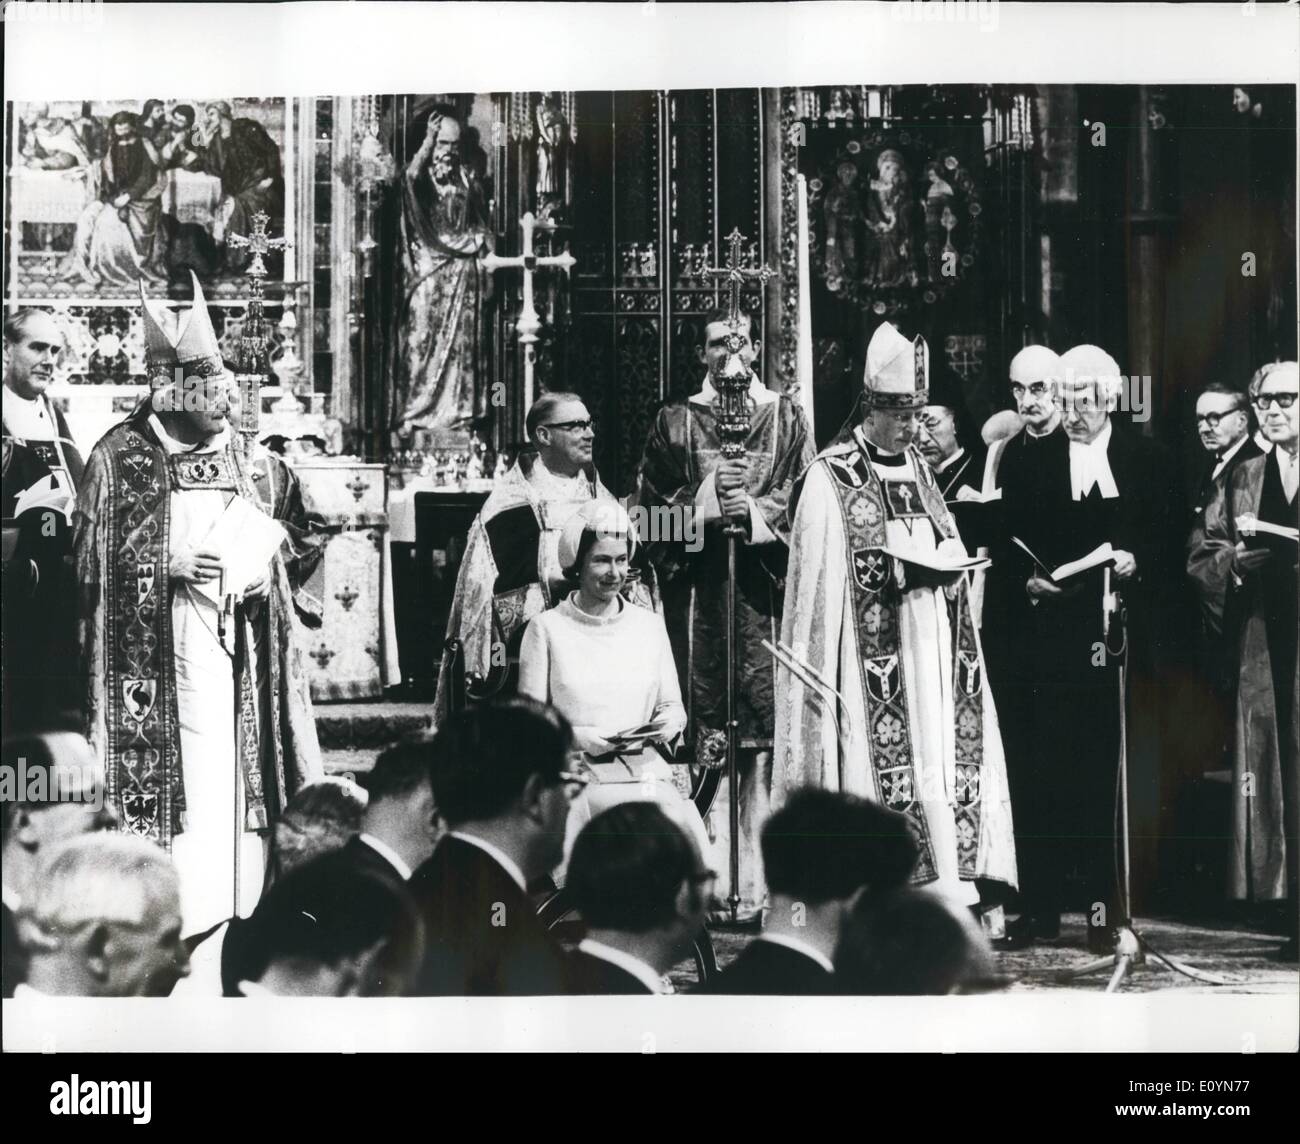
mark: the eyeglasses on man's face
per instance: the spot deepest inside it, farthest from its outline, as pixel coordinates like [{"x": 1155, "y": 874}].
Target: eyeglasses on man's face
[
  {"x": 1284, "y": 401},
  {"x": 571, "y": 426},
  {"x": 1213, "y": 419}
]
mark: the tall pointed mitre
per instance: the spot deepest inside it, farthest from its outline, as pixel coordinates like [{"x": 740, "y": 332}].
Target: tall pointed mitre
[
  {"x": 185, "y": 342},
  {"x": 898, "y": 370}
]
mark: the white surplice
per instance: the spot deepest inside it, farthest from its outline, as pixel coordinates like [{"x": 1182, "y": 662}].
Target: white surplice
[{"x": 204, "y": 851}]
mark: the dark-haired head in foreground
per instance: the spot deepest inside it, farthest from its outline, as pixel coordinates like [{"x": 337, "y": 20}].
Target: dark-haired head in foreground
[
  {"x": 497, "y": 772},
  {"x": 822, "y": 852},
  {"x": 502, "y": 788},
  {"x": 912, "y": 942},
  {"x": 401, "y": 812},
  {"x": 639, "y": 884},
  {"x": 329, "y": 929}
]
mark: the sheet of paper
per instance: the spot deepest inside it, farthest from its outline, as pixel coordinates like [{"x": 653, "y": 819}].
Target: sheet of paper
[
  {"x": 966, "y": 494},
  {"x": 245, "y": 539},
  {"x": 1102, "y": 554},
  {"x": 45, "y": 493},
  {"x": 1247, "y": 525},
  {"x": 940, "y": 563}
]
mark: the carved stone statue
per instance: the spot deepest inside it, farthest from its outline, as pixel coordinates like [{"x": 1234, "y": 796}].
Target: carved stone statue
[
  {"x": 552, "y": 157},
  {"x": 439, "y": 372}
]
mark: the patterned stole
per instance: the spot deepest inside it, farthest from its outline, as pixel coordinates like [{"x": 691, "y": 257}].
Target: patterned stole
[
  {"x": 143, "y": 749},
  {"x": 145, "y": 775},
  {"x": 876, "y": 600}
]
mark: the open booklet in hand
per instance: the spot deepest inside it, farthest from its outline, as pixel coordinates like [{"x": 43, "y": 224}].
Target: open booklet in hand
[
  {"x": 939, "y": 562},
  {"x": 1248, "y": 525},
  {"x": 47, "y": 493},
  {"x": 245, "y": 539},
  {"x": 1099, "y": 557}
]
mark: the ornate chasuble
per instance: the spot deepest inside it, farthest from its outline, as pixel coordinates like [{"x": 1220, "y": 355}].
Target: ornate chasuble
[
  {"x": 124, "y": 520},
  {"x": 867, "y": 505}
]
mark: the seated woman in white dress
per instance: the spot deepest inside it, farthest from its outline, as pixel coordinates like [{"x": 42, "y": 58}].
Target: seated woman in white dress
[{"x": 608, "y": 667}]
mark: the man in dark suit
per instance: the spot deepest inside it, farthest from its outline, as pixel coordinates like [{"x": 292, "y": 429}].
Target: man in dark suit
[
  {"x": 502, "y": 789},
  {"x": 400, "y": 823},
  {"x": 331, "y": 928},
  {"x": 1066, "y": 492},
  {"x": 1223, "y": 424},
  {"x": 822, "y": 851},
  {"x": 398, "y": 830},
  {"x": 640, "y": 886}
]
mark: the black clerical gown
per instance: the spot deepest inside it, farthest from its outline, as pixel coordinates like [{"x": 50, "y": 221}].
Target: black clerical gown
[
  {"x": 482, "y": 934},
  {"x": 1056, "y": 685},
  {"x": 966, "y": 472},
  {"x": 771, "y": 969}
]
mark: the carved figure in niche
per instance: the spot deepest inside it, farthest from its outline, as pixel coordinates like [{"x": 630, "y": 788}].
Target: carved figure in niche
[
  {"x": 439, "y": 376},
  {"x": 889, "y": 223},
  {"x": 843, "y": 209},
  {"x": 552, "y": 157}
]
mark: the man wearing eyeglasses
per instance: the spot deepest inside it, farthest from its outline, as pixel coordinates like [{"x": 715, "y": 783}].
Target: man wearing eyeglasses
[
  {"x": 1223, "y": 426},
  {"x": 1243, "y": 561},
  {"x": 502, "y": 782},
  {"x": 511, "y": 569}
]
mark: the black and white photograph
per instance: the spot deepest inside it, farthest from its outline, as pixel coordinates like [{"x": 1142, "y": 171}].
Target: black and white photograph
[{"x": 793, "y": 512}]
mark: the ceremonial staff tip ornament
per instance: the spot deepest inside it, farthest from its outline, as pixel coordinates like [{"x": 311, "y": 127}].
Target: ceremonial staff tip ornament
[{"x": 731, "y": 381}]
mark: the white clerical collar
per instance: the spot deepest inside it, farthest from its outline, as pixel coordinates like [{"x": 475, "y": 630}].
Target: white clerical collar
[
  {"x": 541, "y": 475},
  {"x": 211, "y": 445},
  {"x": 948, "y": 462},
  {"x": 759, "y": 394},
  {"x": 799, "y": 947},
  {"x": 639, "y": 969},
  {"x": 394, "y": 859},
  {"x": 1090, "y": 467},
  {"x": 502, "y": 859}
]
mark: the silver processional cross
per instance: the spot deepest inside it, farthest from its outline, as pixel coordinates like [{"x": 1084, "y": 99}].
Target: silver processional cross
[
  {"x": 529, "y": 323},
  {"x": 252, "y": 339}
]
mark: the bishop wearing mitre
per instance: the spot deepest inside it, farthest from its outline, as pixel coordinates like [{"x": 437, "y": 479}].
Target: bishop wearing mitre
[
  {"x": 882, "y": 690},
  {"x": 196, "y": 698}
]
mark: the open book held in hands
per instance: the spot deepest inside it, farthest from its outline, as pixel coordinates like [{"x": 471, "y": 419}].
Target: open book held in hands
[
  {"x": 245, "y": 539},
  {"x": 45, "y": 493},
  {"x": 1100, "y": 556},
  {"x": 968, "y": 495},
  {"x": 939, "y": 562},
  {"x": 1248, "y": 524}
]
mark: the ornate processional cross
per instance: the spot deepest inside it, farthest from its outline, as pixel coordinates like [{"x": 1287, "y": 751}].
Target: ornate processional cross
[
  {"x": 731, "y": 380},
  {"x": 253, "y": 362},
  {"x": 529, "y": 323}
]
